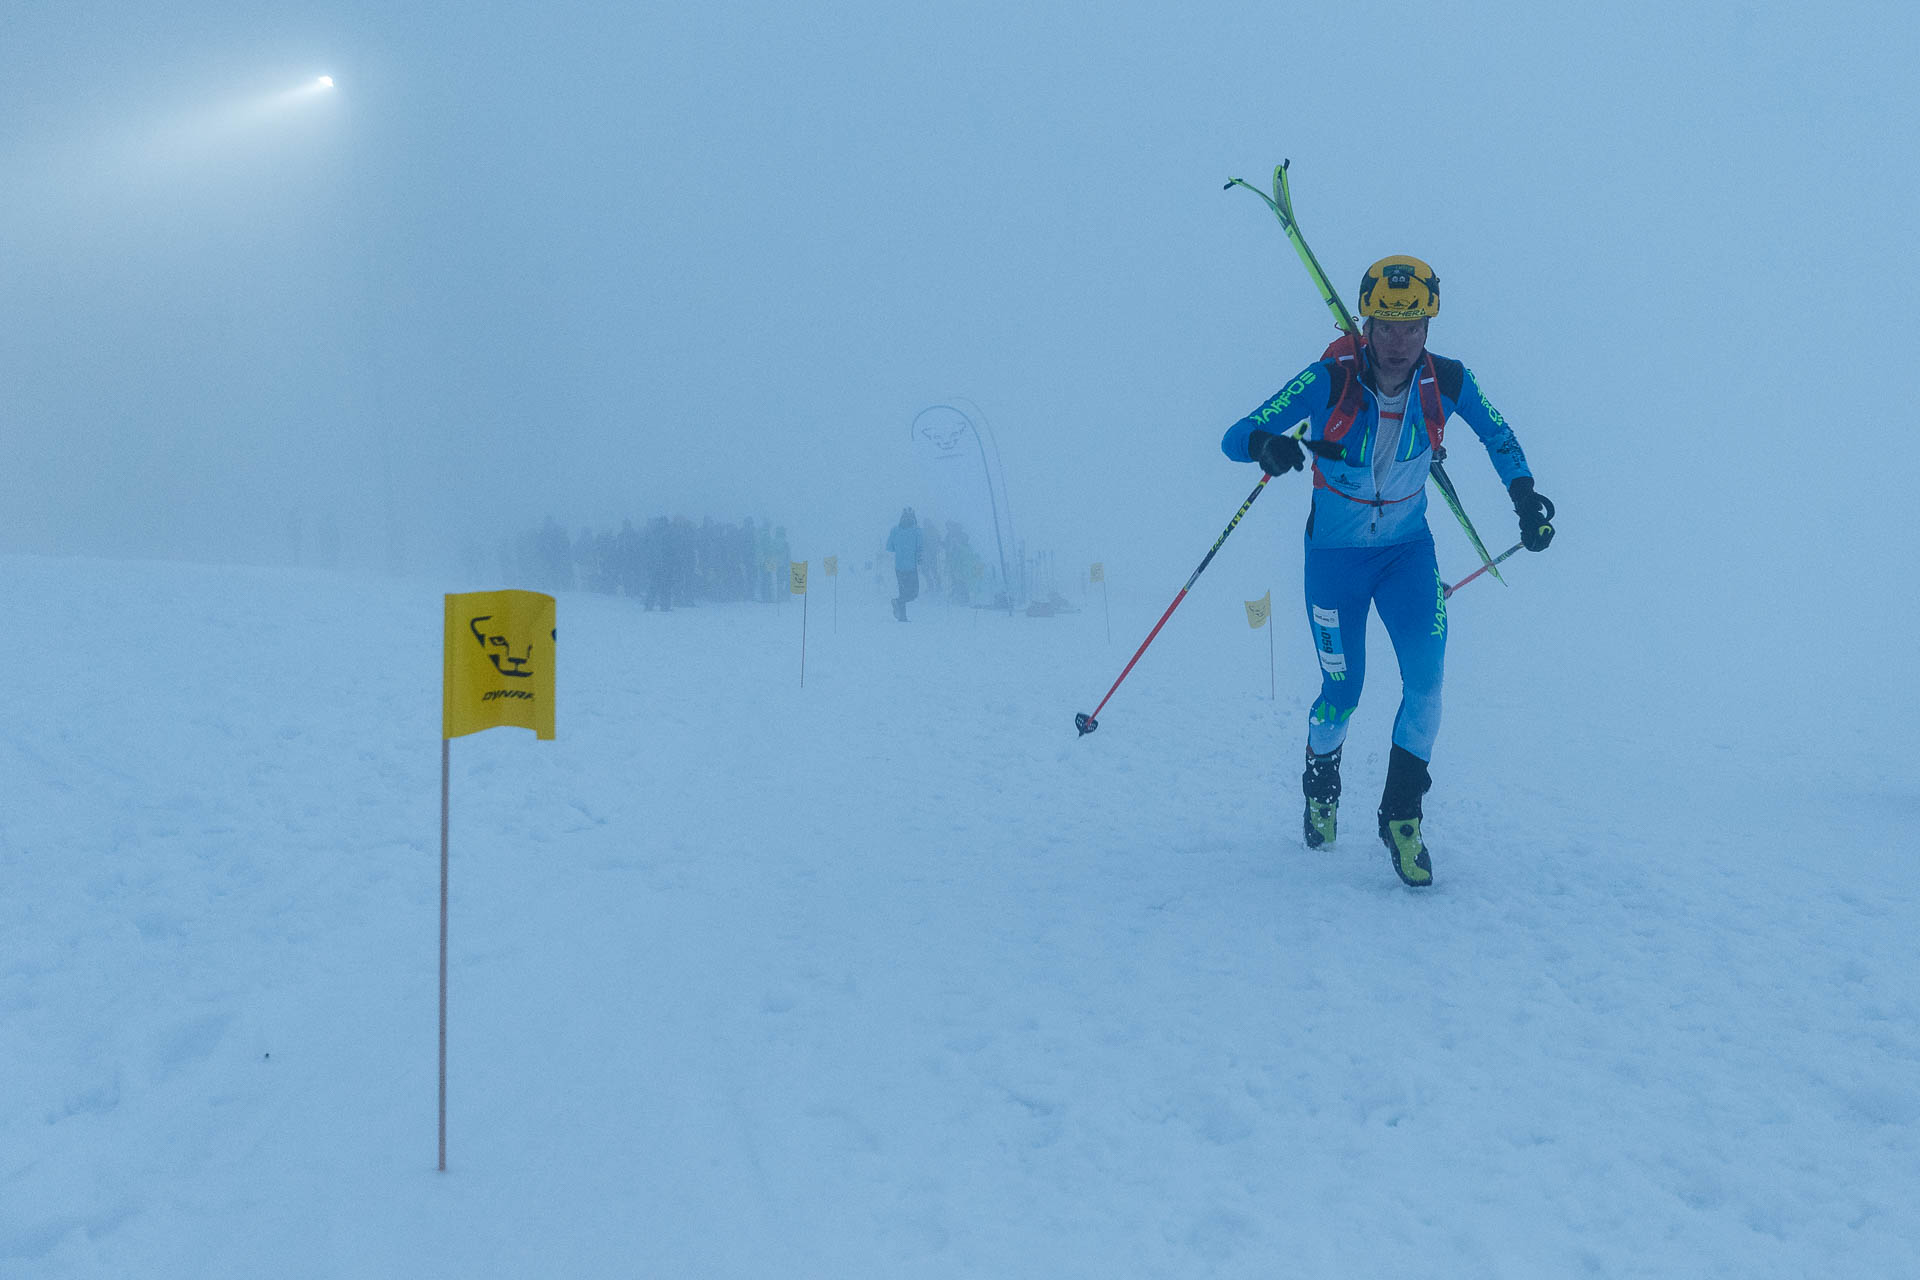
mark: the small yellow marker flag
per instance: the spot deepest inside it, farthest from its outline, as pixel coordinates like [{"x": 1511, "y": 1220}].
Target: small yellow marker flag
[
  {"x": 1258, "y": 611},
  {"x": 830, "y": 566},
  {"x": 797, "y": 577},
  {"x": 499, "y": 663},
  {"x": 1097, "y": 572}
]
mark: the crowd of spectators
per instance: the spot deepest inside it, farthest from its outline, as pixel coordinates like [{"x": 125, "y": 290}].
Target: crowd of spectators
[
  {"x": 678, "y": 561},
  {"x": 666, "y": 562}
]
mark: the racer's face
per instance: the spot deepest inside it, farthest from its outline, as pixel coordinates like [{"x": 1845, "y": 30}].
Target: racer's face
[{"x": 1396, "y": 345}]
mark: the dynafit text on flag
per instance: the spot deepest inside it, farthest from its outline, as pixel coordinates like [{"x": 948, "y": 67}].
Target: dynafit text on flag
[{"x": 499, "y": 663}]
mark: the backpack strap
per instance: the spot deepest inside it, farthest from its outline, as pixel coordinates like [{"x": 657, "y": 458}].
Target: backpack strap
[
  {"x": 1432, "y": 412},
  {"x": 1344, "y": 353},
  {"x": 1320, "y": 482}
]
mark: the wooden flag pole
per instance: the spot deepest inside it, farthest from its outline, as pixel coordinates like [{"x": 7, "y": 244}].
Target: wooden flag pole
[
  {"x": 803, "y": 639},
  {"x": 1272, "y": 691},
  {"x": 1106, "y": 609},
  {"x": 446, "y": 757}
]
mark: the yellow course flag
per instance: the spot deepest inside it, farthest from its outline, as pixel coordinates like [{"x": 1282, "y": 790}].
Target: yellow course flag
[
  {"x": 1097, "y": 572},
  {"x": 499, "y": 663},
  {"x": 797, "y": 576},
  {"x": 1258, "y": 611},
  {"x": 830, "y": 566}
]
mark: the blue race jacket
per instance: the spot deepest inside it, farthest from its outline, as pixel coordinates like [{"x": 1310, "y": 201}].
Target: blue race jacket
[
  {"x": 1348, "y": 509},
  {"x": 904, "y": 542}
]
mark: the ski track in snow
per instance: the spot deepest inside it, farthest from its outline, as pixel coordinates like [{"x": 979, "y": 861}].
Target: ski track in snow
[{"x": 892, "y": 975}]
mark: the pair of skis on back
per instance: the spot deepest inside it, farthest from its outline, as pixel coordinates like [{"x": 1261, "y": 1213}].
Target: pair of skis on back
[{"x": 1281, "y": 203}]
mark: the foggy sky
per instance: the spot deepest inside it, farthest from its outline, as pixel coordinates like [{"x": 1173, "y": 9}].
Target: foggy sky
[{"x": 603, "y": 260}]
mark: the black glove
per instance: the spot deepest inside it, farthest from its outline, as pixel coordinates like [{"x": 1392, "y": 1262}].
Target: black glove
[
  {"x": 1276, "y": 455},
  {"x": 1536, "y": 514}
]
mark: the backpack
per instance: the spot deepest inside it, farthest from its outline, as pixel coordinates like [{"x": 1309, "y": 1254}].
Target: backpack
[{"x": 1347, "y": 399}]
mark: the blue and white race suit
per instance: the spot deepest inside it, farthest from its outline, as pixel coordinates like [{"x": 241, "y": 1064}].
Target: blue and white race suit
[{"x": 1368, "y": 543}]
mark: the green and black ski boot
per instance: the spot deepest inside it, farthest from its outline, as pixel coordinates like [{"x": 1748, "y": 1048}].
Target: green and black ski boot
[
  {"x": 1408, "y": 851},
  {"x": 1407, "y": 781},
  {"x": 1321, "y": 783}
]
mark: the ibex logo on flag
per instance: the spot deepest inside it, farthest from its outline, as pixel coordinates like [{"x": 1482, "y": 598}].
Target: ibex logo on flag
[{"x": 499, "y": 649}]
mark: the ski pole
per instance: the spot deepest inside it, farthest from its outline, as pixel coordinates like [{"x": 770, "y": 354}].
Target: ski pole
[
  {"x": 1086, "y": 724},
  {"x": 1448, "y": 594},
  {"x": 1546, "y": 528}
]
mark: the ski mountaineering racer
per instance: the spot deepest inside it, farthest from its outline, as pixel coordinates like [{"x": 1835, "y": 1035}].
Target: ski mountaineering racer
[{"x": 1376, "y": 410}]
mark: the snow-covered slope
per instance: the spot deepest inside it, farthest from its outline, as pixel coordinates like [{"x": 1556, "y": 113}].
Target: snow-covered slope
[{"x": 892, "y": 976}]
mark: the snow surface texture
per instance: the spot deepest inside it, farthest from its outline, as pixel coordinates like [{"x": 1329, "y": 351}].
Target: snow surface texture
[{"x": 893, "y": 976}]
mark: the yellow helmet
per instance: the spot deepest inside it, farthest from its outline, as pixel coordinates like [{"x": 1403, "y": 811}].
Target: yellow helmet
[{"x": 1399, "y": 288}]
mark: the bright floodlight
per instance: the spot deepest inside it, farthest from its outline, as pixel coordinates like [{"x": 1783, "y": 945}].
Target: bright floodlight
[{"x": 326, "y": 82}]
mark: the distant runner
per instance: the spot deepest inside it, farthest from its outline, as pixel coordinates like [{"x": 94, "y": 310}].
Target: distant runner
[{"x": 904, "y": 541}]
